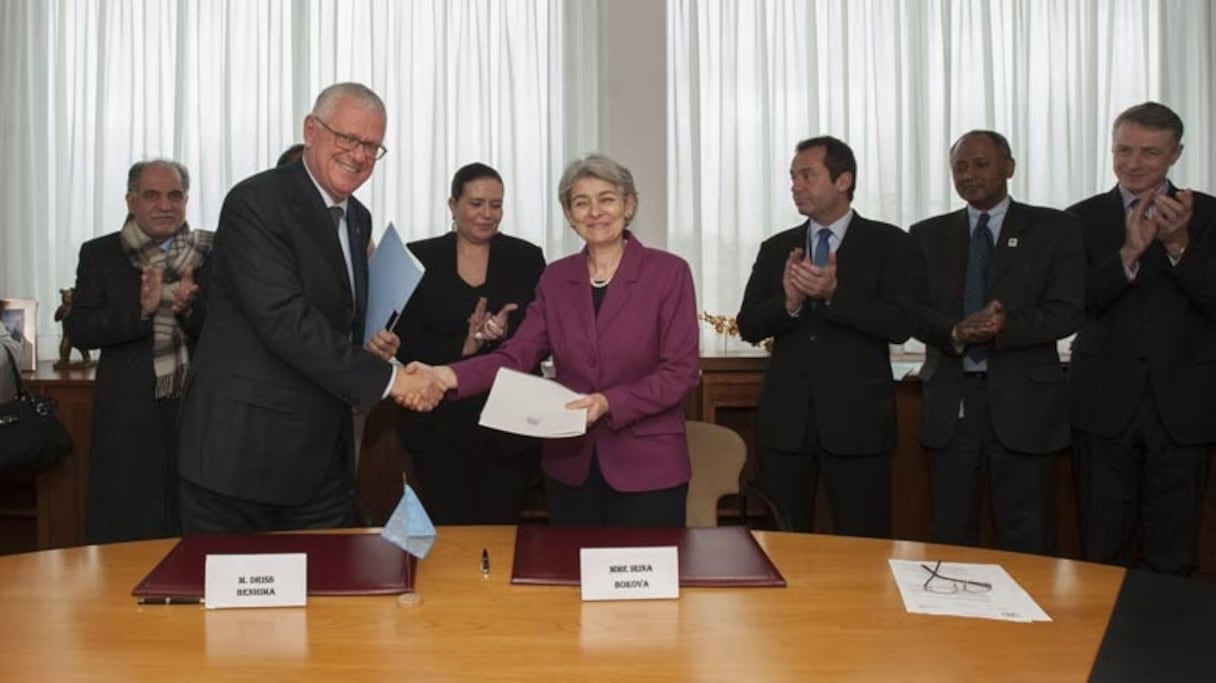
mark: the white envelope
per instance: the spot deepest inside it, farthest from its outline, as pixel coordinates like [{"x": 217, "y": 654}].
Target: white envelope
[{"x": 532, "y": 406}]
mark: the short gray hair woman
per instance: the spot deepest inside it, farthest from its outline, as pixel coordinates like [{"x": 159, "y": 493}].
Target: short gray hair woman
[
  {"x": 603, "y": 168},
  {"x": 620, "y": 322}
]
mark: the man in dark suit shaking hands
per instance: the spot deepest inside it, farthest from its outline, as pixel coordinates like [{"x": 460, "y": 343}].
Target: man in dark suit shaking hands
[
  {"x": 828, "y": 293},
  {"x": 266, "y": 430},
  {"x": 995, "y": 285},
  {"x": 1143, "y": 373}
]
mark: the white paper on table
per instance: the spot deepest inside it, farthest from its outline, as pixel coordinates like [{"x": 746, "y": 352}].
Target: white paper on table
[
  {"x": 1005, "y": 601},
  {"x": 532, "y": 406}
]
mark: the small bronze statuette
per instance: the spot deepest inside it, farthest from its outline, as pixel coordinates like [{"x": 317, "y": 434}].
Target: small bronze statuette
[{"x": 65, "y": 345}]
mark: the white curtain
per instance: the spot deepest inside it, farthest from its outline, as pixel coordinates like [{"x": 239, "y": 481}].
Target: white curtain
[
  {"x": 899, "y": 81},
  {"x": 223, "y": 86}
]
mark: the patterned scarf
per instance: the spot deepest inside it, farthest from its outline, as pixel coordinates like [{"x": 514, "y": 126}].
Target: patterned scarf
[{"x": 187, "y": 249}]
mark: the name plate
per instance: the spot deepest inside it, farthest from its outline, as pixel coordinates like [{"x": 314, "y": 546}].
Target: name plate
[
  {"x": 650, "y": 573},
  {"x": 272, "y": 580}
]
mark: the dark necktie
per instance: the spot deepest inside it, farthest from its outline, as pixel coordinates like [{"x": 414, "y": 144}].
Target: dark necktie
[
  {"x": 978, "y": 256},
  {"x": 335, "y": 213}
]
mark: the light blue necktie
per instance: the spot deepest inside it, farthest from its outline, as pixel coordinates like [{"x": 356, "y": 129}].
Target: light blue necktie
[{"x": 822, "y": 248}]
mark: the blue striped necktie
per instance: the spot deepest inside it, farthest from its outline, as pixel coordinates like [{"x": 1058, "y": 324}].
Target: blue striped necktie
[{"x": 822, "y": 248}]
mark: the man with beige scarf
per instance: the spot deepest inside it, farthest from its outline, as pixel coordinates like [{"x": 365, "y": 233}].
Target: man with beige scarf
[{"x": 138, "y": 299}]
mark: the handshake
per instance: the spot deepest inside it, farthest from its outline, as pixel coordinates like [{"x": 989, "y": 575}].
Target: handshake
[{"x": 420, "y": 387}]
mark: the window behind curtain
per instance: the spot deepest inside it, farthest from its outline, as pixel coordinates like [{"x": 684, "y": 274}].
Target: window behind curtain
[
  {"x": 899, "y": 81},
  {"x": 223, "y": 87}
]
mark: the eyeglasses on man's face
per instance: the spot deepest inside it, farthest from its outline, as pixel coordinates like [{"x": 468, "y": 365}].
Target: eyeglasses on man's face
[
  {"x": 939, "y": 583},
  {"x": 349, "y": 143}
]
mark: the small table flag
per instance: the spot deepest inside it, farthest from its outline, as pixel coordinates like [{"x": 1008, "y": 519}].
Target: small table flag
[{"x": 409, "y": 527}]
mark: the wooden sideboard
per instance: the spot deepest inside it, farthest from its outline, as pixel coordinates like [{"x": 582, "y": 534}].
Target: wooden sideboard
[
  {"x": 48, "y": 511},
  {"x": 730, "y": 389}
]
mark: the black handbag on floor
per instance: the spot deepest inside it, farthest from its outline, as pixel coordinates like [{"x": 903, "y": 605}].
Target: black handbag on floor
[{"x": 31, "y": 436}]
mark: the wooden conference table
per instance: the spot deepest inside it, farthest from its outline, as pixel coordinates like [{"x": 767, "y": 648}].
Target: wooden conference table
[{"x": 68, "y": 616}]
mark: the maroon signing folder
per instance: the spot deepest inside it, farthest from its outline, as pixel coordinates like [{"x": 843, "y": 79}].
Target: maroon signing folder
[
  {"x": 711, "y": 556},
  {"x": 338, "y": 564}
]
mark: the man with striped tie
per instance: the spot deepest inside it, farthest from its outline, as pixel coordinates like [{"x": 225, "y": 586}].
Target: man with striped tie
[
  {"x": 1143, "y": 373},
  {"x": 994, "y": 286}
]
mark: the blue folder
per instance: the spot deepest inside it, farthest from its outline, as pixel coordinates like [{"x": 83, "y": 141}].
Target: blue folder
[{"x": 392, "y": 276}]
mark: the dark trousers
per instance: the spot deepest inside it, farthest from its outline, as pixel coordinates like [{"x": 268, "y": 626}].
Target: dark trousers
[
  {"x": 133, "y": 494},
  {"x": 1140, "y": 483},
  {"x": 331, "y": 506},
  {"x": 858, "y": 487},
  {"x": 1019, "y": 484},
  {"x": 595, "y": 503},
  {"x": 480, "y": 477}
]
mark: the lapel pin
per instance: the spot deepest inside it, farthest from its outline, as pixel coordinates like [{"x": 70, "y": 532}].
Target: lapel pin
[{"x": 1013, "y": 242}]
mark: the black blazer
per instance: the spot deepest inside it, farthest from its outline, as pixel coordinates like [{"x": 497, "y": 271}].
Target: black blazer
[
  {"x": 128, "y": 447},
  {"x": 434, "y": 324},
  {"x": 834, "y": 358},
  {"x": 1160, "y": 328},
  {"x": 269, "y": 396},
  {"x": 1037, "y": 274}
]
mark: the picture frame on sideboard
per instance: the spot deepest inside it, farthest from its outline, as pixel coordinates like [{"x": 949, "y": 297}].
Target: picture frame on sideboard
[{"x": 20, "y": 318}]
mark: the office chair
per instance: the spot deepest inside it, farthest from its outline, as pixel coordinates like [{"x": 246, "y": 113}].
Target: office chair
[{"x": 717, "y": 455}]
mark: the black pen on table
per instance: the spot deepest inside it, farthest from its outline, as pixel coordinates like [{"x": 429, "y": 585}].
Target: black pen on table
[
  {"x": 168, "y": 600},
  {"x": 485, "y": 563}
]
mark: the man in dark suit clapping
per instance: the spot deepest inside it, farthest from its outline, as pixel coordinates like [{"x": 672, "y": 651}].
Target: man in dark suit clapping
[
  {"x": 995, "y": 285},
  {"x": 1143, "y": 373},
  {"x": 140, "y": 298},
  {"x": 828, "y": 293},
  {"x": 266, "y": 429}
]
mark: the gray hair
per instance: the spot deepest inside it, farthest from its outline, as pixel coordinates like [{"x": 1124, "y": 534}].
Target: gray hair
[
  {"x": 1151, "y": 115},
  {"x": 328, "y": 99},
  {"x": 138, "y": 168},
  {"x": 601, "y": 167}
]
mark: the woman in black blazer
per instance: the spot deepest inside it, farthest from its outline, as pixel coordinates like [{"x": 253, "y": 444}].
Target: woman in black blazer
[{"x": 477, "y": 286}]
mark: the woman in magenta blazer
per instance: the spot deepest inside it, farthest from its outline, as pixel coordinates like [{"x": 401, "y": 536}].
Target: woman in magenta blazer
[{"x": 620, "y": 321}]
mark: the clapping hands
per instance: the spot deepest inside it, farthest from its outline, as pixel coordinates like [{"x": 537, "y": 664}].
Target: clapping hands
[
  {"x": 1173, "y": 215},
  {"x": 150, "y": 283},
  {"x": 486, "y": 327},
  {"x": 184, "y": 292},
  {"x": 152, "y": 288},
  {"x": 1158, "y": 217},
  {"x": 982, "y": 326},
  {"x": 803, "y": 279}
]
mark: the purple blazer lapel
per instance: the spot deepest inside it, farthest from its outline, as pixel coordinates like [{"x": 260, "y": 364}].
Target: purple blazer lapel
[
  {"x": 577, "y": 291},
  {"x": 620, "y": 291}
]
